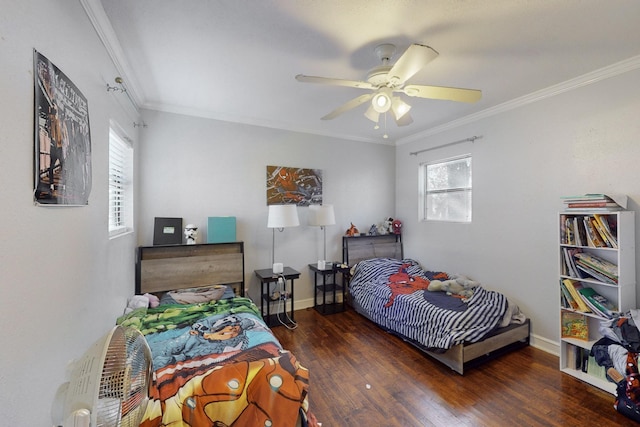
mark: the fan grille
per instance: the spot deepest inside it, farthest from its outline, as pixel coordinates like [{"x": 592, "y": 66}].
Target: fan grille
[{"x": 124, "y": 384}]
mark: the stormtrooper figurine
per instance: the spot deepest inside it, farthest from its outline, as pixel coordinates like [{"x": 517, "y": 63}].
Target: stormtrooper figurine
[{"x": 191, "y": 233}]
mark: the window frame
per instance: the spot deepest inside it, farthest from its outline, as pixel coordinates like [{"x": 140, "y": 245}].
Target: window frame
[
  {"x": 425, "y": 192},
  {"x": 121, "y": 180}
]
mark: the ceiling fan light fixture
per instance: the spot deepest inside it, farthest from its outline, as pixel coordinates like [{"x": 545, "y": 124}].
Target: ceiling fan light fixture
[
  {"x": 381, "y": 101},
  {"x": 372, "y": 114},
  {"x": 399, "y": 107}
]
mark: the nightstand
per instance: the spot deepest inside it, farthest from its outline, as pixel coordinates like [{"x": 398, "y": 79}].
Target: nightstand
[
  {"x": 329, "y": 285},
  {"x": 267, "y": 277}
]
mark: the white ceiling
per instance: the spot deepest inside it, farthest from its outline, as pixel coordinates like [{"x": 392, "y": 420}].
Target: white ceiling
[{"x": 236, "y": 60}]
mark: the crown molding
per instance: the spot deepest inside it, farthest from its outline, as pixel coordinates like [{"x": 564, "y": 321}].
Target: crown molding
[
  {"x": 107, "y": 35},
  {"x": 206, "y": 114},
  {"x": 613, "y": 70}
]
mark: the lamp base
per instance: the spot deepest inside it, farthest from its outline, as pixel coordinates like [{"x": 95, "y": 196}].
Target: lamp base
[{"x": 278, "y": 268}]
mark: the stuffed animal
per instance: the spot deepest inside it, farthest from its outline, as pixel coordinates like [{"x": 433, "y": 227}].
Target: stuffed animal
[
  {"x": 373, "y": 230},
  {"x": 460, "y": 286},
  {"x": 141, "y": 301},
  {"x": 352, "y": 231},
  {"x": 396, "y": 226},
  {"x": 154, "y": 301},
  {"x": 136, "y": 301}
]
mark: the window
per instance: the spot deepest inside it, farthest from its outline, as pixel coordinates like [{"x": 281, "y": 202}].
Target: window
[
  {"x": 120, "y": 183},
  {"x": 446, "y": 190}
]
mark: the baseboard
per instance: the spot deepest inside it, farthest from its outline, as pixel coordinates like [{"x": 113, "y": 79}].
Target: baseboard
[
  {"x": 544, "y": 344},
  {"x": 304, "y": 303}
]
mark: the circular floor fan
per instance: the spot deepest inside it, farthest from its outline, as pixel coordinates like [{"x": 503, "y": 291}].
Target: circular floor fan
[{"x": 109, "y": 384}]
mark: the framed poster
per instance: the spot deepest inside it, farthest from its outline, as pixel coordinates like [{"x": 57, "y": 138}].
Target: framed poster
[
  {"x": 288, "y": 185},
  {"x": 62, "y": 138}
]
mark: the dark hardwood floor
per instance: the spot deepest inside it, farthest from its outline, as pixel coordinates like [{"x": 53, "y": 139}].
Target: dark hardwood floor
[{"x": 363, "y": 376}]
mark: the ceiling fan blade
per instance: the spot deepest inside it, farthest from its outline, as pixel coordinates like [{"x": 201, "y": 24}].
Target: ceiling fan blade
[
  {"x": 348, "y": 106},
  {"x": 441, "y": 92},
  {"x": 411, "y": 61},
  {"x": 334, "y": 82},
  {"x": 406, "y": 119}
]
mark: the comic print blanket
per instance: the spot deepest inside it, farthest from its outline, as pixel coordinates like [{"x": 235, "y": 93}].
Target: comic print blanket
[
  {"x": 401, "y": 305},
  {"x": 218, "y": 364}
]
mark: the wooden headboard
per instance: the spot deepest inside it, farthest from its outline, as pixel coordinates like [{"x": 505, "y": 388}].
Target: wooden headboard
[
  {"x": 358, "y": 248},
  {"x": 168, "y": 267}
]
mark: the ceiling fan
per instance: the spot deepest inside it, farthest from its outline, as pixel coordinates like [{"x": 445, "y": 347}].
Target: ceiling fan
[{"x": 385, "y": 80}]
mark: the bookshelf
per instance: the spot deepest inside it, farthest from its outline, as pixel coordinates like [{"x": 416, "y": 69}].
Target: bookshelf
[{"x": 616, "y": 258}]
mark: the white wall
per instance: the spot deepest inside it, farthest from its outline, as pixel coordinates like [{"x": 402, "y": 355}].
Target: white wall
[
  {"x": 63, "y": 281},
  {"x": 581, "y": 141},
  {"x": 194, "y": 168}
]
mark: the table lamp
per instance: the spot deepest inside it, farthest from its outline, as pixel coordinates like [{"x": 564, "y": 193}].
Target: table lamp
[
  {"x": 322, "y": 215},
  {"x": 280, "y": 217}
]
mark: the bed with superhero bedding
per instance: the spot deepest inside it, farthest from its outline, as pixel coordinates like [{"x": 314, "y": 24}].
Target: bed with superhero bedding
[
  {"x": 215, "y": 361},
  {"x": 450, "y": 317}
]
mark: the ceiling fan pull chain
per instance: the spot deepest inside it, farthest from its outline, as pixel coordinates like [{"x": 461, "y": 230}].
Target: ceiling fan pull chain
[{"x": 385, "y": 136}]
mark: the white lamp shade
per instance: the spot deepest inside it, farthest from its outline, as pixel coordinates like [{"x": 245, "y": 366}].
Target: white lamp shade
[
  {"x": 399, "y": 107},
  {"x": 381, "y": 101},
  {"x": 281, "y": 216},
  {"x": 321, "y": 215},
  {"x": 372, "y": 114}
]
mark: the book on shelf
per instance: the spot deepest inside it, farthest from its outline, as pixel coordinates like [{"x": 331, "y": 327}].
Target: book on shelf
[
  {"x": 593, "y": 237},
  {"x": 606, "y": 228},
  {"x": 598, "y": 303},
  {"x": 573, "y": 288},
  {"x": 569, "y": 235},
  {"x": 593, "y": 308},
  {"x": 574, "y": 325},
  {"x": 598, "y": 202},
  {"x": 595, "y": 266},
  {"x": 569, "y": 265},
  {"x": 597, "y": 226},
  {"x": 571, "y": 303},
  {"x": 596, "y": 370}
]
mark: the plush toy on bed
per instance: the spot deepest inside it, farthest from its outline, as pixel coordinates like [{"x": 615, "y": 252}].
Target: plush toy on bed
[
  {"x": 141, "y": 301},
  {"x": 460, "y": 286}
]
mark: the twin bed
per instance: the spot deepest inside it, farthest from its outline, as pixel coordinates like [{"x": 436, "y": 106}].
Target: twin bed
[
  {"x": 393, "y": 293},
  {"x": 215, "y": 361}
]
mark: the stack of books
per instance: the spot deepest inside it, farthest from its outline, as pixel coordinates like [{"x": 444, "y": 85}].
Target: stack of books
[
  {"x": 596, "y": 267},
  {"x": 593, "y": 230},
  {"x": 597, "y": 303},
  {"x": 584, "y": 299},
  {"x": 595, "y": 202}
]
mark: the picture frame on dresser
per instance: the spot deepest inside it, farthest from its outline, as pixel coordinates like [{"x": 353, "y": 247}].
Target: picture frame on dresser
[{"x": 167, "y": 231}]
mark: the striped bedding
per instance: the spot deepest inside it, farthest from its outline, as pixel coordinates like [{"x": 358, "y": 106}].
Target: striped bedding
[{"x": 412, "y": 316}]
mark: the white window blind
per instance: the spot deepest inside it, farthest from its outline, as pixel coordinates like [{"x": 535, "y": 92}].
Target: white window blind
[
  {"x": 447, "y": 190},
  {"x": 120, "y": 184}
]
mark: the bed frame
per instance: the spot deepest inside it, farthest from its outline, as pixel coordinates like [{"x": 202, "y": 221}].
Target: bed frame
[
  {"x": 167, "y": 267},
  {"x": 163, "y": 268},
  {"x": 458, "y": 357}
]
